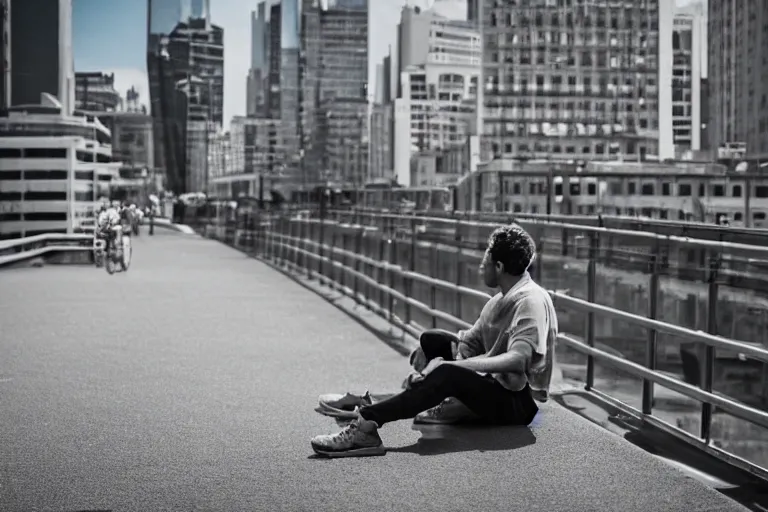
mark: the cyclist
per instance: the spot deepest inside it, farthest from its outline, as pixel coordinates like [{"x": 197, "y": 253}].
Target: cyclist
[{"x": 108, "y": 223}]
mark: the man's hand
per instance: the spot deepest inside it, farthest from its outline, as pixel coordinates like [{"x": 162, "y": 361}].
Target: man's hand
[
  {"x": 432, "y": 365},
  {"x": 418, "y": 360}
]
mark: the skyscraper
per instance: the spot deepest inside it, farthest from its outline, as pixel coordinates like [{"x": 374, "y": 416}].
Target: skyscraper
[
  {"x": 335, "y": 77},
  {"x": 689, "y": 53},
  {"x": 738, "y": 75},
  {"x": 257, "y": 74},
  {"x": 440, "y": 61},
  {"x": 5, "y": 54},
  {"x": 185, "y": 64},
  {"x": 577, "y": 82},
  {"x": 41, "y": 51}
]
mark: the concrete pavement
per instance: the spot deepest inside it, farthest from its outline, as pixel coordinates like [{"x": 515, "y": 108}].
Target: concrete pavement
[{"x": 189, "y": 383}]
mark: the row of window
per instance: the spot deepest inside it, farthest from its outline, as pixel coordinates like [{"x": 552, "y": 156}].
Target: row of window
[
  {"x": 33, "y": 216},
  {"x": 599, "y": 148},
  {"x": 631, "y": 188},
  {"x": 81, "y": 156},
  {"x": 630, "y": 18},
  {"x": 33, "y": 195},
  {"x": 31, "y": 175}
]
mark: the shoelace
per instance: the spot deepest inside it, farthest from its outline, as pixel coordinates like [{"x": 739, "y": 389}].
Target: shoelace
[
  {"x": 348, "y": 431},
  {"x": 438, "y": 409}
]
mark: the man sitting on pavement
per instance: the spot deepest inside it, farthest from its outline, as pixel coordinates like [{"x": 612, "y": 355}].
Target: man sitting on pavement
[{"x": 492, "y": 370}]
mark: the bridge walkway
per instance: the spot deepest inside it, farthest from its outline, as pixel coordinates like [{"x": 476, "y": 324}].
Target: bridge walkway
[{"x": 189, "y": 383}]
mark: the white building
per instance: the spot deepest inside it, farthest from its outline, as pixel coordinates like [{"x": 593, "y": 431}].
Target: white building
[
  {"x": 439, "y": 64},
  {"x": 53, "y": 168},
  {"x": 689, "y": 67}
]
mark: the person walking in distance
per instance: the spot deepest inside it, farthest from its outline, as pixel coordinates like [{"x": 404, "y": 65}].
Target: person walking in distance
[{"x": 493, "y": 369}]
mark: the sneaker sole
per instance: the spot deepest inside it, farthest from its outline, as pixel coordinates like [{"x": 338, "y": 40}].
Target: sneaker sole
[
  {"x": 358, "y": 452},
  {"x": 336, "y": 413},
  {"x": 349, "y": 413}
]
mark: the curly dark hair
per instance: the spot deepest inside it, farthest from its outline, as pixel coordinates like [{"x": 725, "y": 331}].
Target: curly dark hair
[{"x": 513, "y": 247}]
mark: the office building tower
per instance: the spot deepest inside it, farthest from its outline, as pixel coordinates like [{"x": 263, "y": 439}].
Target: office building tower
[
  {"x": 40, "y": 51},
  {"x": 440, "y": 61},
  {"x": 335, "y": 89},
  {"x": 5, "y": 53},
  {"x": 689, "y": 50},
  {"x": 738, "y": 78},
  {"x": 577, "y": 81},
  {"x": 185, "y": 64},
  {"x": 259, "y": 69}
]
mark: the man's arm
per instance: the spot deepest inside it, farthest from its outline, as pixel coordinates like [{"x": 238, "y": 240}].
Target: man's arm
[
  {"x": 471, "y": 341},
  {"x": 515, "y": 360},
  {"x": 528, "y": 324}
]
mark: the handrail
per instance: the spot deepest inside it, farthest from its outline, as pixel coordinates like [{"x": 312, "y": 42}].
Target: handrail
[
  {"x": 42, "y": 244},
  {"x": 282, "y": 245},
  {"x": 45, "y": 237},
  {"x": 743, "y": 249}
]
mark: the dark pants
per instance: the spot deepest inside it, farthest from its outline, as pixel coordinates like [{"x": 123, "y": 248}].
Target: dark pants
[{"x": 483, "y": 395}]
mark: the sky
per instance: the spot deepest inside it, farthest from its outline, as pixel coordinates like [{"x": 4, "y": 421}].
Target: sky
[{"x": 110, "y": 36}]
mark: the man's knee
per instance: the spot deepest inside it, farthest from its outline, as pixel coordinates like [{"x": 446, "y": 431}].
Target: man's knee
[
  {"x": 435, "y": 338},
  {"x": 445, "y": 373}
]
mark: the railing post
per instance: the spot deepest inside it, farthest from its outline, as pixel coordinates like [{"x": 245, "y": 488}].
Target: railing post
[
  {"x": 307, "y": 247},
  {"x": 321, "y": 245},
  {"x": 594, "y": 242},
  {"x": 650, "y": 350},
  {"x": 459, "y": 267},
  {"x": 709, "y": 351},
  {"x": 380, "y": 273},
  {"x": 358, "y": 251},
  {"x": 332, "y": 255},
  {"x": 392, "y": 242},
  {"x": 412, "y": 264},
  {"x": 343, "y": 257},
  {"x": 434, "y": 263}
]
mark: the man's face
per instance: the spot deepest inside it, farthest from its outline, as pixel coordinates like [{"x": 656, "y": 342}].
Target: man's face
[{"x": 490, "y": 271}]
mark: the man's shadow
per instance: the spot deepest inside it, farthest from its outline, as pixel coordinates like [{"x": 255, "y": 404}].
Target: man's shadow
[{"x": 441, "y": 439}]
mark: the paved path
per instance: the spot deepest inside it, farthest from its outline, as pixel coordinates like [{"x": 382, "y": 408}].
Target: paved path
[{"x": 189, "y": 383}]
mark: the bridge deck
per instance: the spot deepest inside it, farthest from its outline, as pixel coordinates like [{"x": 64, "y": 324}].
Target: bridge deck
[{"x": 190, "y": 382}]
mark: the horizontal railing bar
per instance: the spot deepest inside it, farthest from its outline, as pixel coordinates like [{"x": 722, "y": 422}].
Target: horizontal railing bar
[
  {"x": 16, "y": 242},
  {"x": 395, "y": 293},
  {"x": 755, "y": 351},
  {"x": 686, "y": 241},
  {"x": 742, "y": 411},
  {"x": 683, "y": 435}
]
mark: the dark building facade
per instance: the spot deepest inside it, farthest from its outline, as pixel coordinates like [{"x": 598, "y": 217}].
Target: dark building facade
[
  {"x": 5, "y": 54},
  {"x": 738, "y": 75},
  {"x": 34, "y": 50},
  {"x": 273, "y": 94},
  {"x": 185, "y": 66}
]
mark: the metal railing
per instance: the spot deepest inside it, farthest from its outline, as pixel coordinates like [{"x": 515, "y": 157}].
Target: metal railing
[
  {"x": 20, "y": 249},
  {"x": 737, "y": 265},
  {"x": 699, "y": 230},
  {"x": 362, "y": 262}
]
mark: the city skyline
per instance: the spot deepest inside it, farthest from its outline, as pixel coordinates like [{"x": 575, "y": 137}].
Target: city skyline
[
  {"x": 103, "y": 44},
  {"x": 107, "y": 38}
]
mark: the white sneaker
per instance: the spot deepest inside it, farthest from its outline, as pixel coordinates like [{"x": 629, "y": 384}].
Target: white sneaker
[{"x": 358, "y": 439}]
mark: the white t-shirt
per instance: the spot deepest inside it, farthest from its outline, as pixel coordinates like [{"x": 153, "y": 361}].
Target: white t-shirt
[{"x": 524, "y": 314}]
